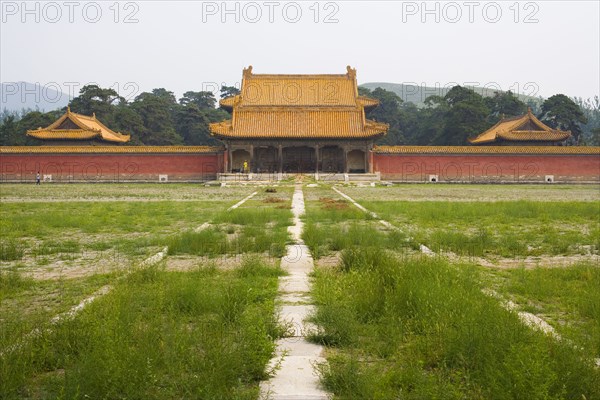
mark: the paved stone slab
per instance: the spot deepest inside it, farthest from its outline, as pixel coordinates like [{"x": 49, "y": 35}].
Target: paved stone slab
[
  {"x": 293, "y": 316},
  {"x": 288, "y": 284},
  {"x": 294, "y": 298},
  {"x": 295, "y": 358},
  {"x": 296, "y": 377}
]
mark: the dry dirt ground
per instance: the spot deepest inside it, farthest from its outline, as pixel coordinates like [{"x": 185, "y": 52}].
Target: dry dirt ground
[
  {"x": 119, "y": 192},
  {"x": 531, "y": 262},
  {"x": 449, "y": 192},
  {"x": 224, "y": 262}
]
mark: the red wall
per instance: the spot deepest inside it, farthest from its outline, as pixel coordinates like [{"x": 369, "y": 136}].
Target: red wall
[
  {"x": 123, "y": 167},
  {"x": 110, "y": 167},
  {"x": 487, "y": 167}
]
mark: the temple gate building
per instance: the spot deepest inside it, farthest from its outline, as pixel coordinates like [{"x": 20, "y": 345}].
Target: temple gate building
[
  {"x": 78, "y": 130},
  {"x": 298, "y": 123},
  {"x": 524, "y": 130}
]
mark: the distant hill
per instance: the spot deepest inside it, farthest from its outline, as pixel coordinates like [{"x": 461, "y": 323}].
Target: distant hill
[
  {"x": 418, "y": 94},
  {"x": 15, "y": 96}
]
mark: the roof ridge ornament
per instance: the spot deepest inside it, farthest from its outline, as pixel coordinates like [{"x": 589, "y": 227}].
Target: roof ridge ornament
[
  {"x": 248, "y": 71},
  {"x": 351, "y": 72}
]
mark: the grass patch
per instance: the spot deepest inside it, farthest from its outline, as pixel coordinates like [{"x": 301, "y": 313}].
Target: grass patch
[
  {"x": 257, "y": 239},
  {"x": 10, "y": 249},
  {"x": 210, "y": 241},
  {"x": 55, "y": 247},
  {"x": 328, "y": 210},
  {"x": 501, "y": 228},
  {"x": 569, "y": 296},
  {"x": 243, "y": 230},
  {"x": 11, "y": 282},
  {"x": 27, "y": 304},
  {"x": 41, "y": 220},
  {"x": 272, "y": 199},
  {"x": 214, "y": 241},
  {"x": 255, "y": 216},
  {"x": 325, "y": 238},
  {"x": 200, "y": 334},
  {"x": 334, "y": 224},
  {"x": 418, "y": 328}
]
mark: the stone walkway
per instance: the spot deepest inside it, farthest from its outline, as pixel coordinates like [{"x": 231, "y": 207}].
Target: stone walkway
[{"x": 295, "y": 377}]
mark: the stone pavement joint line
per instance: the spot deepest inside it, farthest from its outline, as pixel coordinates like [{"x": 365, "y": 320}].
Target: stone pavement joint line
[
  {"x": 424, "y": 249},
  {"x": 295, "y": 377},
  {"x": 532, "y": 320},
  {"x": 239, "y": 203}
]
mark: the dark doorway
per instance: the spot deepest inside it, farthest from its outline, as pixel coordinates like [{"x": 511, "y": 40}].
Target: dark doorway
[
  {"x": 238, "y": 157},
  {"x": 299, "y": 159},
  {"x": 265, "y": 159},
  {"x": 332, "y": 159},
  {"x": 356, "y": 161}
]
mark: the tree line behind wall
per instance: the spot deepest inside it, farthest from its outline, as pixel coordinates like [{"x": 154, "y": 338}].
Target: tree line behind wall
[
  {"x": 462, "y": 113},
  {"x": 158, "y": 118}
]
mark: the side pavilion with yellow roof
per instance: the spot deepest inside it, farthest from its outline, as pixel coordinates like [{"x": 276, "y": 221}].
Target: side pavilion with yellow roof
[
  {"x": 76, "y": 129},
  {"x": 524, "y": 130},
  {"x": 298, "y": 123}
]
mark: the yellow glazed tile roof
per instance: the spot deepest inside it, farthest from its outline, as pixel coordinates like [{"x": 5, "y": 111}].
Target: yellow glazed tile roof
[
  {"x": 558, "y": 150},
  {"x": 299, "y": 124},
  {"x": 526, "y": 128},
  {"x": 89, "y": 128},
  {"x": 298, "y": 90},
  {"x": 367, "y": 102},
  {"x": 109, "y": 149},
  {"x": 298, "y": 107}
]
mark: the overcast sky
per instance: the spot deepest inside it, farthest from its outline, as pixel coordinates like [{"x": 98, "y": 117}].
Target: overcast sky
[{"x": 540, "y": 47}]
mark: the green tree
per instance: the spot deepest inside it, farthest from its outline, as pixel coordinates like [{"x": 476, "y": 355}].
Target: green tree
[
  {"x": 34, "y": 120},
  {"x": 464, "y": 115},
  {"x": 594, "y": 137},
  {"x": 591, "y": 111},
  {"x": 164, "y": 94},
  {"x": 192, "y": 124},
  {"x": 410, "y": 123},
  {"x": 560, "y": 112},
  {"x": 129, "y": 122},
  {"x": 200, "y": 99},
  {"x": 94, "y": 99},
  {"x": 13, "y": 131},
  {"x": 156, "y": 112},
  {"x": 389, "y": 112},
  {"x": 9, "y": 131},
  {"x": 229, "y": 91},
  {"x": 504, "y": 104},
  {"x": 431, "y": 121}
]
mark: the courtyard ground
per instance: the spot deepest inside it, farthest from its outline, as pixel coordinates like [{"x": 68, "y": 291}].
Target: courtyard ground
[{"x": 395, "y": 323}]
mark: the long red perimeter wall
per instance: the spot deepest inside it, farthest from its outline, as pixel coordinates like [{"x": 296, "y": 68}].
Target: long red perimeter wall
[
  {"x": 111, "y": 164},
  {"x": 487, "y": 164},
  {"x": 394, "y": 163}
]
